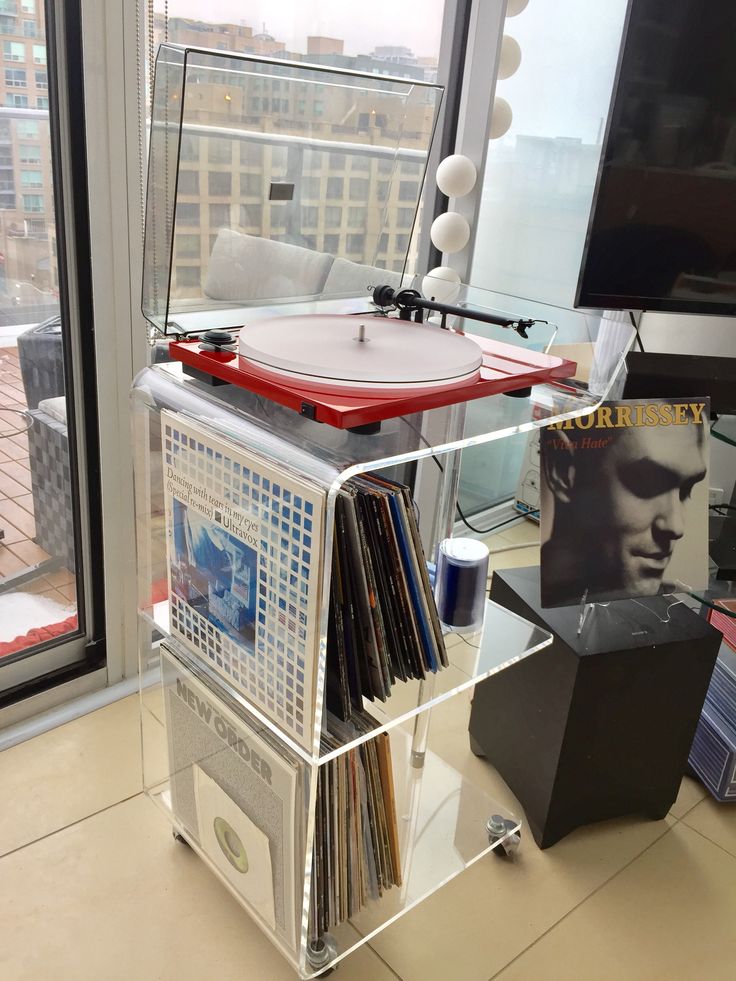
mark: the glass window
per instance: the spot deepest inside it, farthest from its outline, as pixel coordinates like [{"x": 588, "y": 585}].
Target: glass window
[
  {"x": 383, "y": 243},
  {"x": 382, "y": 190},
  {"x": 42, "y": 80},
  {"x": 14, "y": 51},
  {"x": 188, "y": 245},
  {"x": 28, "y": 6},
  {"x": 333, "y": 217},
  {"x": 251, "y": 154},
  {"x": 310, "y": 187},
  {"x": 32, "y": 202},
  {"x": 538, "y": 186},
  {"x": 408, "y": 190},
  {"x": 189, "y": 148},
  {"x": 336, "y": 161},
  {"x": 219, "y": 216},
  {"x": 15, "y": 78},
  {"x": 31, "y": 178},
  {"x": 27, "y": 153},
  {"x": 188, "y": 276},
  {"x": 187, "y": 214},
  {"x": 335, "y": 187},
  {"x": 219, "y": 183},
  {"x": 404, "y": 217},
  {"x": 356, "y": 244},
  {"x": 251, "y": 184},
  {"x": 27, "y": 129},
  {"x": 540, "y": 175},
  {"x": 310, "y": 216},
  {"x": 402, "y": 243},
  {"x": 219, "y": 151},
  {"x": 251, "y": 216},
  {"x": 188, "y": 182},
  {"x": 357, "y": 216},
  {"x": 29, "y": 28},
  {"x": 15, "y": 101},
  {"x": 39, "y": 54},
  {"x": 359, "y": 187},
  {"x": 331, "y": 243},
  {"x": 42, "y": 102}
]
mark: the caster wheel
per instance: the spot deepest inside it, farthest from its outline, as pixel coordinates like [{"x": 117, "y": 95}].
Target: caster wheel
[
  {"x": 500, "y": 833},
  {"x": 320, "y": 952},
  {"x": 475, "y": 748}
]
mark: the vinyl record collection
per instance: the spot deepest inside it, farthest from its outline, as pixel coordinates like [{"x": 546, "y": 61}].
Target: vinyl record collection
[
  {"x": 356, "y": 854},
  {"x": 383, "y": 624},
  {"x": 383, "y": 628},
  {"x": 244, "y": 577}
]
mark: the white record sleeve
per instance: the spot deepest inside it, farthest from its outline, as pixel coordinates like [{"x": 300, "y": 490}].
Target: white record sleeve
[
  {"x": 235, "y": 844},
  {"x": 236, "y": 793},
  {"x": 244, "y": 545}
]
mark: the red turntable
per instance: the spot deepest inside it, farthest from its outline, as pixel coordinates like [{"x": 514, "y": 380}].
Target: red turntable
[{"x": 352, "y": 371}]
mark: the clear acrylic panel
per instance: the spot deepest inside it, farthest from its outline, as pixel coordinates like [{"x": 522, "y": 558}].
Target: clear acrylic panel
[
  {"x": 244, "y": 803},
  {"x": 189, "y": 435},
  {"x": 272, "y": 179}
]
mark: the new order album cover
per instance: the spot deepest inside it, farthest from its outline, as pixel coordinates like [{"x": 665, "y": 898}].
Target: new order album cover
[
  {"x": 235, "y": 792},
  {"x": 624, "y": 502}
]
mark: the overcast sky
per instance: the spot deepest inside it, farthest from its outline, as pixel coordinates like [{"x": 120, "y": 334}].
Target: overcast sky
[{"x": 416, "y": 24}]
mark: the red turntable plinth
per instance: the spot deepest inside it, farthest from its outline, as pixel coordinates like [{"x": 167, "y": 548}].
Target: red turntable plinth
[{"x": 353, "y": 371}]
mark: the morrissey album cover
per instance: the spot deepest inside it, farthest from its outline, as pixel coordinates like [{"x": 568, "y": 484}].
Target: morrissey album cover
[{"x": 624, "y": 501}]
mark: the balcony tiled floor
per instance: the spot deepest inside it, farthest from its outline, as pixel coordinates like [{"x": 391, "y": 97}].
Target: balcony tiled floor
[{"x": 18, "y": 549}]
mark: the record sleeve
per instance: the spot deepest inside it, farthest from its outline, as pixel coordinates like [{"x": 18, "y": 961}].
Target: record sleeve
[
  {"x": 235, "y": 792},
  {"x": 245, "y": 554},
  {"x": 624, "y": 502}
]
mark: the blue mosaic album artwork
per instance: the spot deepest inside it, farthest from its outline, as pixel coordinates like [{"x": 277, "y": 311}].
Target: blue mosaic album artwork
[
  {"x": 245, "y": 569},
  {"x": 214, "y": 572}
]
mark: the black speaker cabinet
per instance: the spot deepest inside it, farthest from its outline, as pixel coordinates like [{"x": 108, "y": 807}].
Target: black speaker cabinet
[{"x": 596, "y": 725}]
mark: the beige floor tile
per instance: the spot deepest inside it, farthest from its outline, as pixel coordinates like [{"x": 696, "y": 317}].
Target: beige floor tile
[
  {"x": 691, "y": 793},
  {"x": 526, "y": 531},
  {"x": 516, "y": 559},
  {"x": 668, "y": 916},
  {"x": 115, "y": 898},
  {"x": 715, "y": 821},
  {"x": 493, "y": 911},
  {"x": 68, "y": 773}
]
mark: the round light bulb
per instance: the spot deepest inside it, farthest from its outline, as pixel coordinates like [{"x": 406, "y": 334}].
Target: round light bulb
[
  {"x": 442, "y": 284},
  {"x": 514, "y": 7},
  {"x": 450, "y": 232},
  {"x": 456, "y": 175},
  {"x": 510, "y": 58},
  {"x": 501, "y": 118}
]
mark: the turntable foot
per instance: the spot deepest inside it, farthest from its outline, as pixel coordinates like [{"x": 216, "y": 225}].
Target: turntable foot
[
  {"x": 178, "y": 836},
  {"x": 369, "y": 429},
  {"x": 519, "y": 393}
]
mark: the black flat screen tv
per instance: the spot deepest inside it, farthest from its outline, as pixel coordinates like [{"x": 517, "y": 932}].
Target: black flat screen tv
[{"x": 662, "y": 231}]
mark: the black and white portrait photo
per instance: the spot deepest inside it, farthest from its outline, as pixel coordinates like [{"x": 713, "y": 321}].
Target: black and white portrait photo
[{"x": 625, "y": 502}]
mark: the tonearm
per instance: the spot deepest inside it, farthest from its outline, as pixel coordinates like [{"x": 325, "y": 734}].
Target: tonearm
[{"x": 411, "y": 306}]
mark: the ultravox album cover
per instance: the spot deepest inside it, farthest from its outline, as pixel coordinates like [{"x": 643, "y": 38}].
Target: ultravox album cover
[
  {"x": 624, "y": 502},
  {"x": 234, "y": 793},
  {"x": 244, "y": 543}
]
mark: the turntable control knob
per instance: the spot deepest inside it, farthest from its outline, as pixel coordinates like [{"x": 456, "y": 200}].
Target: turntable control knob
[{"x": 217, "y": 340}]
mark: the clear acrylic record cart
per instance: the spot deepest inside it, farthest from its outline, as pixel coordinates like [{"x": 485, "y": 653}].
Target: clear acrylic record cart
[{"x": 251, "y": 157}]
